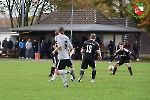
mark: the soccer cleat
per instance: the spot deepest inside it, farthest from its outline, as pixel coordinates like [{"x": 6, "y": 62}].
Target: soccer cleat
[
  {"x": 66, "y": 85},
  {"x": 51, "y": 80},
  {"x": 72, "y": 73},
  {"x": 72, "y": 79},
  {"x": 92, "y": 80},
  {"x": 112, "y": 74},
  {"x": 80, "y": 78},
  {"x": 50, "y": 75}
]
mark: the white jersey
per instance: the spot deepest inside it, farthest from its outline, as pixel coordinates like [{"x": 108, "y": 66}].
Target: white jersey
[{"x": 64, "y": 42}]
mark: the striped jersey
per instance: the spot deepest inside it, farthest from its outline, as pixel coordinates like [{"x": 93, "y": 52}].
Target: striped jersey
[{"x": 64, "y": 42}]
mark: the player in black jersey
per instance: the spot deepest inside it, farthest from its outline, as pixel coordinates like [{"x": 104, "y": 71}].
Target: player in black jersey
[
  {"x": 55, "y": 56},
  {"x": 88, "y": 50},
  {"x": 124, "y": 58}
]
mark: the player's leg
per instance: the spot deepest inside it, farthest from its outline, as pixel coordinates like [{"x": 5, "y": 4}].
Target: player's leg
[
  {"x": 84, "y": 66},
  {"x": 52, "y": 70},
  {"x": 81, "y": 75},
  {"x": 63, "y": 72},
  {"x": 54, "y": 66},
  {"x": 93, "y": 65},
  {"x": 56, "y": 71},
  {"x": 120, "y": 62},
  {"x": 70, "y": 64},
  {"x": 129, "y": 68}
]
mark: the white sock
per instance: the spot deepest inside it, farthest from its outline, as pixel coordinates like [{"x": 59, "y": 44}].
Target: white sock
[
  {"x": 54, "y": 76},
  {"x": 63, "y": 77},
  {"x": 63, "y": 72}
]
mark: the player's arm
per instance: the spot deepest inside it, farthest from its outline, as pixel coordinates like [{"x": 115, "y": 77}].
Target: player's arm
[
  {"x": 59, "y": 43},
  {"x": 99, "y": 54},
  {"x": 134, "y": 56},
  {"x": 113, "y": 57}
]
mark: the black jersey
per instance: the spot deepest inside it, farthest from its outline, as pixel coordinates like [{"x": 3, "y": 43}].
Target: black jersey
[
  {"x": 90, "y": 47},
  {"x": 54, "y": 42},
  {"x": 124, "y": 54}
]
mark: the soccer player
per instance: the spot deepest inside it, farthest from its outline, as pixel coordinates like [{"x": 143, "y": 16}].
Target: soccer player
[
  {"x": 55, "y": 58},
  {"x": 88, "y": 50},
  {"x": 124, "y": 58},
  {"x": 64, "y": 60}
]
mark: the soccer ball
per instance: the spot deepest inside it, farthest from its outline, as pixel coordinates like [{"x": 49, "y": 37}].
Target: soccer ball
[{"x": 110, "y": 67}]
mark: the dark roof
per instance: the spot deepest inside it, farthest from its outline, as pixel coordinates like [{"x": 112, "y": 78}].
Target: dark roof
[
  {"x": 79, "y": 17},
  {"x": 4, "y": 29},
  {"x": 78, "y": 27},
  {"x": 83, "y": 20}
]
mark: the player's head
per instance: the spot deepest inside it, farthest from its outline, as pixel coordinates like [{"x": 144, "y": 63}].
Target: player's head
[
  {"x": 121, "y": 46},
  {"x": 61, "y": 30},
  {"x": 93, "y": 36},
  {"x": 56, "y": 32}
]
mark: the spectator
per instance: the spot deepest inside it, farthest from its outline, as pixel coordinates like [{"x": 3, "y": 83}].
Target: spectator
[
  {"x": 16, "y": 45},
  {"x": 101, "y": 45},
  {"x": 35, "y": 47},
  {"x": 22, "y": 47},
  {"x": 111, "y": 49},
  {"x": 48, "y": 48},
  {"x": 117, "y": 48},
  {"x": 136, "y": 49},
  {"x": 5, "y": 43},
  {"x": 127, "y": 46},
  {"x": 28, "y": 49},
  {"x": 10, "y": 44},
  {"x": 43, "y": 49},
  {"x": 75, "y": 43}
]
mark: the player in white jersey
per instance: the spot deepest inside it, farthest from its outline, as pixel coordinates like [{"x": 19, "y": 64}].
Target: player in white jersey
[{"x": 64, "y": 60}]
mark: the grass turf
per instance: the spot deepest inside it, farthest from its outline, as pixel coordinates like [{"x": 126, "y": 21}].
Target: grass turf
[{"x": 28, "y": 80}]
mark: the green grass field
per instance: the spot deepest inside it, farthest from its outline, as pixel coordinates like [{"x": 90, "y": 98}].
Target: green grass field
[{"x": 28, "y": 80}]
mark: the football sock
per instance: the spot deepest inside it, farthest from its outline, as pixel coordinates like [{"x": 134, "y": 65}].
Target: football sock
[
  {"x": 81, "y": 73},
  {"x": 63, "y": 77},
  {"x": 93, "y": 74},
  {"x": 114, "y": 70},
  {"x": 130, "y": 70},
  {"x": 52, "y": 70},
  {"x": 72, "y": 73},
  {"x": 63, "y": 72},
  {"x": 54, "y": 76}
]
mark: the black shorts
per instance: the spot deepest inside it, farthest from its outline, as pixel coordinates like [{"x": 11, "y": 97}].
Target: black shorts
[
  {"x": 61, "y": 64},
  {"x": 55, "y": 59},
  {"x": 85, "y": 64},
  {"x": 122, "y": 61}
]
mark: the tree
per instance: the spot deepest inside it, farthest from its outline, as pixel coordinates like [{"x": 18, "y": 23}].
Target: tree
[
  {"x": 112, "y": 8},
  {"x": 32, "y": 10},
  {"x": 77, "y": 4}
]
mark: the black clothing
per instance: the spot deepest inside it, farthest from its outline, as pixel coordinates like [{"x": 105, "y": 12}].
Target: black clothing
[
  {"x": 54, "y": 43},
  {"x": 10, "y": 44},
  {"x": 5, "y": 44},
  {"x": 35, "y": 48},
  {"x": 135, "y": 48},
  {"x": 111, "y": 49},
  {"x": 16, "y": 45},
  {"x": 90, "y": 47},
  {"x": 124, "y": 55}
]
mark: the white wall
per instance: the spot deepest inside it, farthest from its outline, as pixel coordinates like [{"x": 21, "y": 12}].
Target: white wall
[
  {"x": 7, "y": 35},
  {"x": 107, "y": 38}
]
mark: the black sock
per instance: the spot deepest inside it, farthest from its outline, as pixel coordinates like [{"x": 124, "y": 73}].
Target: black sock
[
  {"x": 93, "y": 74},
  {"x": 81, "y": 73},
  {"x": 52, "y": 70},
  {"x": 130, "y": 70},
  {"x": 114, "y": 70}
]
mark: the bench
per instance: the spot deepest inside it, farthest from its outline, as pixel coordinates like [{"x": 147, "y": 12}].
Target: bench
[{"x": 11, "y": 53}]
